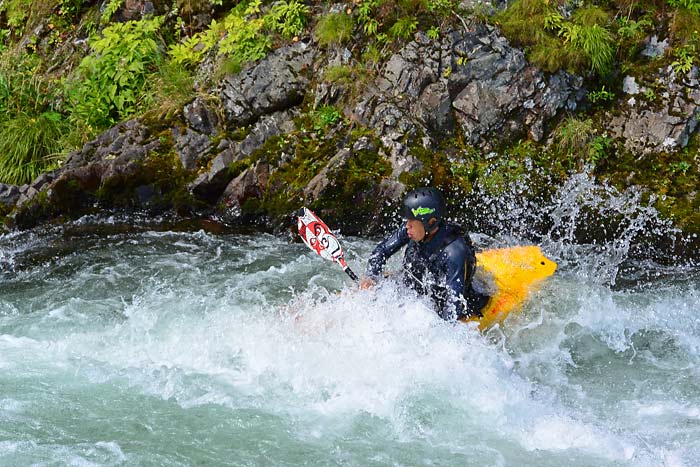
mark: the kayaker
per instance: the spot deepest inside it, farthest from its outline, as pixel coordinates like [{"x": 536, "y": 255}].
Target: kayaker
[{"x": 439, "y": 260}]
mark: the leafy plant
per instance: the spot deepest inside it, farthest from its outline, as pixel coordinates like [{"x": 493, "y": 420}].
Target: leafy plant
[
  {"x": 244, "y": 37},
  {"x": 240, "y": 37},
  {"x": 334, "y": 29},
  {"x": 630, "y": 29},
  {"x": 114, "y": 76},
  {"x": 601, "y": 95},
  {"x": 685, "y": 59},
  {"x": 441, "y": 7},
  {"x": 598, "y": 149},
  {"x": 326, "y": 116},
  {"x": 691, "y": 5},
  {"x": 16, "y": 13},
  {"x": 288, "y": 17},
  {"x": 434, "y": 33},
  {"x": 366, "y": 16},
  {"x": 681, "y": 167},
  {"x": 110, "y": 8},
  {"x": 404, "y": 28}
]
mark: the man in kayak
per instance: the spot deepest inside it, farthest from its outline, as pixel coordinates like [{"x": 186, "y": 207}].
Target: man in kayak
[{"x": 439, "y": 260}]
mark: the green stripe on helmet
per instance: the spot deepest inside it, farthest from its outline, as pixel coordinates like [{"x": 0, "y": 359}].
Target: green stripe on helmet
[{"x": 420, "y": 211}]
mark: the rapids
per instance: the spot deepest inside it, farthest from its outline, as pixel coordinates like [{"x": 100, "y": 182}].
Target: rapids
[{"x": 128, "y": 342}]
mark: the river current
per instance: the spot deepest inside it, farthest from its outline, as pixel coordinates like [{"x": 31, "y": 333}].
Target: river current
[{"x": 128, "y": 342}]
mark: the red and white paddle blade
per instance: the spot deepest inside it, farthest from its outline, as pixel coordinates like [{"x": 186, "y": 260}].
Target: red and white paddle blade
[{"x": 317, "y": 236}]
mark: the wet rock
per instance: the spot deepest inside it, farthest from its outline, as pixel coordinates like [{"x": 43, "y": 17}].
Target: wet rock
[
  {"x": 500, "y": 95},
  {"x": 201, "y": 117},
  {"x": 327, "y": 176},
  {"x": 9, "y": 194},
  {"x": 267, "y": 127},
  {"x": 472, "y": 78},
  {"x": 249, "y": 184},
  {"x": 279, "y": 82},
  {"x": 114, "y": 161},
  {"x": 434, "y": 107},
  {"x": 210, "y": 185},
  {"x": 190, "y": 146}
]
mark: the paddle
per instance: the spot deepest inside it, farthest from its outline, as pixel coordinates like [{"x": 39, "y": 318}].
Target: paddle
[{"x": 317, "y": 236}]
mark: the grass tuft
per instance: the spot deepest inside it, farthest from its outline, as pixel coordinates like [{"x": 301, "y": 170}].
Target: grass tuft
[{"x": 30, "y": 146}]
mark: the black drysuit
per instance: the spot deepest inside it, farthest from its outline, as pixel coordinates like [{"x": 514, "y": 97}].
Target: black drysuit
[{"x": 442, "y": 268}]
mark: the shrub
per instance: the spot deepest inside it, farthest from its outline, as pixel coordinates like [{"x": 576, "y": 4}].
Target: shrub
[
  {"x": 243, "y": 38},
  {"x": 114, "y": 77},
  {"x": 288, "y": 17}
]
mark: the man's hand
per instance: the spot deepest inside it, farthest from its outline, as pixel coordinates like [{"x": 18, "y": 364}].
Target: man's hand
[{"x": 366, "y": 283}]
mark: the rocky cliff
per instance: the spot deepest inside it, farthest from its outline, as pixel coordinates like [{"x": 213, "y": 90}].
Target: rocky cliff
[{"x": 458, "y": 112}]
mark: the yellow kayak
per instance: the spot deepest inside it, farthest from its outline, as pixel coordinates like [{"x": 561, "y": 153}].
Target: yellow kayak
[{"x": 513, "y": 274}]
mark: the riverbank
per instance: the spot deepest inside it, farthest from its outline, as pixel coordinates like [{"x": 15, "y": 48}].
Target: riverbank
[{"x": 346, "y": 124}]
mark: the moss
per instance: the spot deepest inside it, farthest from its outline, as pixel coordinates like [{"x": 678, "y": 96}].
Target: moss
[{"x": 299, "y": 157}]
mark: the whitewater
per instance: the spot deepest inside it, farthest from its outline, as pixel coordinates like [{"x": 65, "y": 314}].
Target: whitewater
[{"x": 125, "y": 341}]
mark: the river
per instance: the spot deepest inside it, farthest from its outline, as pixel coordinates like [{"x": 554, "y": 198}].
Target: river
[{"x": 133, "y": 342}]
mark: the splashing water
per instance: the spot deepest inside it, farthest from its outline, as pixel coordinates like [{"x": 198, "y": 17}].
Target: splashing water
[{"x": 142, "y": 346}]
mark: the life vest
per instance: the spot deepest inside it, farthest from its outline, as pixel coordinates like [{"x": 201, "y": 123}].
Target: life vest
[{"x": 417, "y": 266}]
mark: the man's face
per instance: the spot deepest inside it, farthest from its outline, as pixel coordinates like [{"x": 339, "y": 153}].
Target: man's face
[{"x": 416, "y": 231}]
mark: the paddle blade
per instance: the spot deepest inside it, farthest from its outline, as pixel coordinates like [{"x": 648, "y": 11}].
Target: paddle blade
[{"x": 317, "y": 236}]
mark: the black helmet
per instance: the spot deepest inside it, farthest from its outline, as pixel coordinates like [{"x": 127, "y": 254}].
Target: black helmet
[{"x": 424, "y": 204}]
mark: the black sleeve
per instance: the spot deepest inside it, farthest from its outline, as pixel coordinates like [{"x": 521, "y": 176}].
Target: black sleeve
[
  {"x": 384, "y": 250},
  {"x": 454, "y": 259}
]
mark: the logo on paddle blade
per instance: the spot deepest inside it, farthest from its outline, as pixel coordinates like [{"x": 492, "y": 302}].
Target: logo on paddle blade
[
  {"x": 420, "y": 211},
  {"x": 317, "y": 236}
]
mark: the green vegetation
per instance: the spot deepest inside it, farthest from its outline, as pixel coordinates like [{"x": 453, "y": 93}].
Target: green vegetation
[
  {"x": 334, "y": 29},
  {"x": 147, "y": 68},
  {"x": 31, "y": 130},
  {"x": 601, "y": 95},
  {"x": 584, "y": 41},
  {"x": 113, "y": 79},
  {"x": 29, "y": 146},
  {"x": 288, "y": 17}
]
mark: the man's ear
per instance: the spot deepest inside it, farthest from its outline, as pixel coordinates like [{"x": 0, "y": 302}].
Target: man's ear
[{"x": 432, "y": 221}]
